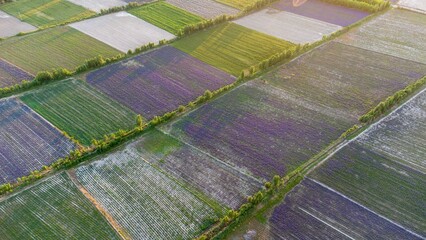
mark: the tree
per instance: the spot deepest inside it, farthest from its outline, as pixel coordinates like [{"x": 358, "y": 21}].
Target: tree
[{"x": 139, "y": 122}]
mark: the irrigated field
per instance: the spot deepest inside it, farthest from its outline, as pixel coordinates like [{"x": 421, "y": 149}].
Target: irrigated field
[
  {"x": 53, "y": 48},
  {"x": 52, "y": 209},
  {"x": 79, "y": 110},
  {"x": 343, "y": 80},
  {"x": 166, "y": 16},
  {"x": 10, "y": 74},
  {"x": 322, "y": 11},
  {"x": 258, "y": 129},
  {"x": 98, "y": 5},
  {"x": 287, "y": 26},
  {"x": 390, "y": 178},
  {"x": 145, "y": 202},
  {"x": 44, "y": 13},
  {"x": 240, "y": 4},
  {"x": 27, "y": 142},
  {"x": 10, "y": 26},
  {"x": 200, "y": 170},
  {"x": 231, "y": 47},
  {"x": 207, "y": 9},
  {"x": 399, "y": 33},
  {"x": 312, "y": 211},
  {"x": 133, "y": 31},
  {"x": 159, "y": 81}
]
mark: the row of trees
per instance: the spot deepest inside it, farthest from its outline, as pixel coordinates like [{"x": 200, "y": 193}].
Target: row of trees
[{"x": 364, "y": 5}]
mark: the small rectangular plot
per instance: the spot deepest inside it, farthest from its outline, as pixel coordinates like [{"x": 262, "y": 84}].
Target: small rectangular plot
[
  {"x": 133, "y": 32},
  {"x": 98, "y": 5},
  {"x": 288, "y": 26},
  {"x": 10, "y": 26},
  {"x": 157, "y": 82},
  {"x": 11, "y": 74},
  {"x": 205, "y": 8},
  {"x": 313, "y": 211},
  {"x": 27, "y": 141},
  {"x": 322, "y": 11}
]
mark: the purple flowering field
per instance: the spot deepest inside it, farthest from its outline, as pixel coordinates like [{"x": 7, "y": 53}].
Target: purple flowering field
[
  {"x": 10, "y": 74},
  {"x": 27, "y": 141},
  {"x": 312, "y": 210},
  {"x": 258, "y": 129},
  {"x": 157, "y": 82},
  {"x": 323, "y": 11}
]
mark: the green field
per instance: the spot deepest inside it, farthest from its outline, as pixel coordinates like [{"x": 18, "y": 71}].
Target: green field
[
  {"x": 231, "y": 47},
  {"x": 53, "y": 48},
  {"x": 166, "y": 16},
  {"x": 43, "y": 13},
  {"x": 53, "y": 209},
  {"x": 81, "y": 111},
  {"x": 240, "y": 4}
]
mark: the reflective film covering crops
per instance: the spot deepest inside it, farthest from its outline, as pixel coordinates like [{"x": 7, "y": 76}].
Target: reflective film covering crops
[
  {"x": 52, "y": 209},
  {"x": 144, "y": 201},
  {"x": 258, "y": 129},
  {"x": 205, "y": 8},
  {"x": 157, "y": 82},
  {"x": 27, "y": 141},
  {"x": 313, "y": 211},
  {"x": 206, "y": 173},
  {"x": 81, "y": 111},
  {"x": 386, "y": 172}
]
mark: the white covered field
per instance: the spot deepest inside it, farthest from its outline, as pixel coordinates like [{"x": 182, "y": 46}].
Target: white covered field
[
  {"x": 10, "y": 26},
  {"x": 122, "y": 31},
  {"x": 98, "y": 5},
  {"x": 413, "y": 4},
  {"x": 287, "y": 26},
  {"x": 205, "y": 8}
]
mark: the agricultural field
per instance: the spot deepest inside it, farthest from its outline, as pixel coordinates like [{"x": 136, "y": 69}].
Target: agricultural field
[
  {"x": 10, "y": 74},
  {"x": 288, "y": 26},
  {"x": 313, "y": 211},
  {"x": 322, "y": 11},
  {"x": 52, "y": 209},
  {"x": 98, "y": 5},
  {"x": 387, "y": 179},
  {"x": 231, "y": 47},
  {"x": 157, "y": 82},
  {"x": 10, "y": 26},
  {"x": 398, "y": 32},
  {"x": 351, "y": 80},
  {"x": 239, "y": 4},
  {"x": 145, "y": 202},
  {"x": 53, "y": 48},
  {"x": 133, "y": 31},
  {"x": 27, "y": 141},
  {"x": 207, "y": 9},
  {"x": 418, "y": 5},
  {"x": 79, "y": 110},
  {"x": 44, "y": 13},
  {"x": 166, "y": 16},
  {"x": 258, "y": 130},
  {"x": 200, "y": 170}
]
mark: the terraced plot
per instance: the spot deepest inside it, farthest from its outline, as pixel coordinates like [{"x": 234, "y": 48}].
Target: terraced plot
[
  {"x": 352, "y": 80},
  {"x": 10, "y": 74},
  {"x": 80, "y": 110},
  {"x": 27, "y": 141},
  {"x": 399, "y": 33},
  {"x": 144, "y": 201},
  {"x": 381, "y": 180},
  {"x": 202, "y": 171},
  {"x": 43, "y": 13},
  {"x": 166, "y": 16},
  {"x": 322, "y": 11},
  {"x": 53, "y": 48},
  {"x": 157, "y": 82},
  {"x": 231, "y": 47},
  {"x": 258, "y": 129},
  {"x": 207, "y": 9},
  {"x": 133, "y": 31},
  {"x": 10, "y": 26},
  {"x": 52, "y": 209},
  {"x": 98, "y": 5},
  {"x": 312, "y": 211},
  {"x": 287, "y": 26},
  {"x": 240, "y": 4}
]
